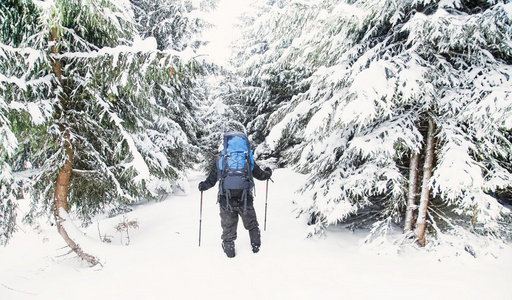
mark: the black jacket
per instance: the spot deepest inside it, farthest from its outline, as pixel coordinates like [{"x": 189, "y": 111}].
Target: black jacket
[{"x": 235, "y": 196}]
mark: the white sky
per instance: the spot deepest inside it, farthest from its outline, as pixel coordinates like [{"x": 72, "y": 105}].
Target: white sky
[{"x": 221, "y": 35}]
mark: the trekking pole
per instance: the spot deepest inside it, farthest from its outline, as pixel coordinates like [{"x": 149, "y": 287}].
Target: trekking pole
[
  {"x": 266, "y": 199},
  {"x": 200, "y": 218}
]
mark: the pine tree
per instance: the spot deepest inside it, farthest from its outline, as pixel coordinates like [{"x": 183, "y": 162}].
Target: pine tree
[
  {"x": 174, "y": 24},
  {"x": 220, "y": 112},
  {"x": 107, "y": 118},
  {"x": 8, "y": 184},
  {"x": 17, "y": 21},
  {"x": 270, "y": 79},
  {"x": 375, "y": 71}
]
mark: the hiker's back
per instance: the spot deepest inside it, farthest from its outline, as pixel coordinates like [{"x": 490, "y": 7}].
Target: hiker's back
[
  {"x": 234, "y": 171},
  {"x": 236, "y": 163}
]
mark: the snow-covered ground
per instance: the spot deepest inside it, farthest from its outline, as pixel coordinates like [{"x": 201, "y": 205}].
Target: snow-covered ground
[{"x": 164, "y": 261}]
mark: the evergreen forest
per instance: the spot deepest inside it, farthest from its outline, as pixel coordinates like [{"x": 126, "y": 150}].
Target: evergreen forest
[{"x": 397, "y": 111}]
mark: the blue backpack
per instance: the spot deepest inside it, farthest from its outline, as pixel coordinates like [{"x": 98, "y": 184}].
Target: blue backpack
[{"x": 235, "y": 166}]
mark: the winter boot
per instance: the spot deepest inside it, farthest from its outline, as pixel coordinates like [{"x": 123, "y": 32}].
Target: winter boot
[
  {"x": 229, "y": 248},
  {"x": 254, "y": 234}
]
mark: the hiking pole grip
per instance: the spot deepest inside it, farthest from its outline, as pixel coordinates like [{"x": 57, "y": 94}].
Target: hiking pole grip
[{"x": 200, "y": 218}]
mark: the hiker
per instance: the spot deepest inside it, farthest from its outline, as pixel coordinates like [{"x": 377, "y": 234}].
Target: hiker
[{"x": 234, "y": 170}]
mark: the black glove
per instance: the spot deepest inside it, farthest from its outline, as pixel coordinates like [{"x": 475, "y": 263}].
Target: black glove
[
  {"x": 202, "y": 186},
  {"x": 268, "y": 172}
]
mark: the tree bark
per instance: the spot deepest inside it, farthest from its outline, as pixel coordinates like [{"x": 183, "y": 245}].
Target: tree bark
[
  {"x": 63, "y": 178},
  {"x": 412, "y": 205},
  {"x": 421, "y": 222}
]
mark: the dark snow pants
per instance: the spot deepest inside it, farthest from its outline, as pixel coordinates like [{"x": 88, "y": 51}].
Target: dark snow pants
[{"x": 229, "y": 223}]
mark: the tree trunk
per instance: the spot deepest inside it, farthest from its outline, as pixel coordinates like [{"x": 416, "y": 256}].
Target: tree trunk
[
  {"x": 62, "y": 182},
  {"x": 421, "y": 222},
  {"x": 413, "y": 193}
]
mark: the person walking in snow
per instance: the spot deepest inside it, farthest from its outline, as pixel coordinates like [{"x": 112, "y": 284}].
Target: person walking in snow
[{"x": 235, "y": 170}]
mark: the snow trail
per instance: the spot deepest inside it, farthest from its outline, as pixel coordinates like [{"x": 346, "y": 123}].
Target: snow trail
[{"x": 163, "y": 260}]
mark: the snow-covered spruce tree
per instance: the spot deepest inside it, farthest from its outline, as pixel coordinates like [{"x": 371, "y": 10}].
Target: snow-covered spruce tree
[
  {"x": 114, "y": 113},
  {"x": 220, "y": 112},
  {"x": 8, "y": 184},
  {"x": 270, "y": 77},
  {"x": 473, "y": 114},
  {"x": 17, "y": 19},
  {"x": 380, "y": 70},
  {"x": 177, "y": 25},
  {"x": 174, "y": 24}
]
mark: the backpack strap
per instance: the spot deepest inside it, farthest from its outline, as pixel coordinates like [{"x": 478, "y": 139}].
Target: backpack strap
[
  {"x": 244, "y": 198},
  {"x": 228, "y": 197}
]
